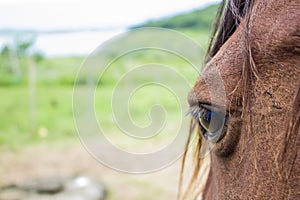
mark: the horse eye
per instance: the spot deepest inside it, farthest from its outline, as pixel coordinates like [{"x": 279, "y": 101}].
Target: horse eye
[{"x": 212, "y": 124}]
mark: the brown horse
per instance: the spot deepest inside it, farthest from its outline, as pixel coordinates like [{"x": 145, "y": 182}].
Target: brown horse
[{"x": 256, "y": 50}]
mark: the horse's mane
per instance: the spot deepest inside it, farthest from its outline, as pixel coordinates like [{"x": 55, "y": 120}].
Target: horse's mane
[{"x": 228, "y": 18}]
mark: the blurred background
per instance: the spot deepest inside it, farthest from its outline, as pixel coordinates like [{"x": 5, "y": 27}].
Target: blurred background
[{"x": 42, "y": 46}]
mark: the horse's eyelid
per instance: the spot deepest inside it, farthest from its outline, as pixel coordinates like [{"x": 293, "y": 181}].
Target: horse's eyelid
[{"x": 213, "y": 108}]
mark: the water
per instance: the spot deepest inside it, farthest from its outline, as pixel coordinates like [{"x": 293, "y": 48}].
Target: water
[{"x": 66, "y": 44}]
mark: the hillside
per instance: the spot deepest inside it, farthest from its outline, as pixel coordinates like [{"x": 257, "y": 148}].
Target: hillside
[{"x": 197, "y": 19}]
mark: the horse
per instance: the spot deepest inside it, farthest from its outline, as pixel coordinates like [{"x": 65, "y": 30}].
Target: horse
[{"x": 255, "y": 47}]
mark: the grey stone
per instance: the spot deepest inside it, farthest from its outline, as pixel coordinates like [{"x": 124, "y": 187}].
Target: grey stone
[
  {"x": 55, "y": 188},
  {"x": 50, "y": 185}
]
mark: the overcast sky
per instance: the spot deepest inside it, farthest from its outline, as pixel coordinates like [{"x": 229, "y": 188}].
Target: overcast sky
[{"x": 55, "y": 14}]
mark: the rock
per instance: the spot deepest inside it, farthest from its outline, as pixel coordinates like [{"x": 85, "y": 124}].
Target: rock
[
  {"x": 55, "y": 188},
  {"x": 50, "y": 185}
]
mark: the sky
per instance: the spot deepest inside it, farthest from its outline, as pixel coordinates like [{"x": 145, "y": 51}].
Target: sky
[
  {"x": 102, "y": 14},
  {"x": 109, "y": 17}
]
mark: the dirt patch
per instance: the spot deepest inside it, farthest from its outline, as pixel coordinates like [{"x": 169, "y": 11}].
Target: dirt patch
[{"x": 48, "y": 160}]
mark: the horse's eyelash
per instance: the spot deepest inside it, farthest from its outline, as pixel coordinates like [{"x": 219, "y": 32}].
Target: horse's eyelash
[{"x": 194, "y": 111}]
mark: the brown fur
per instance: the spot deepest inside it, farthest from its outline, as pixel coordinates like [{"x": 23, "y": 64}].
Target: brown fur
[{"x": 259, "y": 61}]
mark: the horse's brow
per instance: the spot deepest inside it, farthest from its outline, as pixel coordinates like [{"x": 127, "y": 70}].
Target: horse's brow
[{"x": 194, "y": 101}]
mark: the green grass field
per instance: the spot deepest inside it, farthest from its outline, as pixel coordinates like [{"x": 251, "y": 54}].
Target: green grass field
[{"x": 51, "y": 116}]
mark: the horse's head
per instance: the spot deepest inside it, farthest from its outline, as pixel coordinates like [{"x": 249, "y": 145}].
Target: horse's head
[{"x": 256, "y": 50}]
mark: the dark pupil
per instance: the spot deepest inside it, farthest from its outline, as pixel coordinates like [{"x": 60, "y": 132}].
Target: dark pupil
[
  {"x": 210, "y": 121},
  {"x": 205, "y": 119},
  {"x": 207, "y": 115}
]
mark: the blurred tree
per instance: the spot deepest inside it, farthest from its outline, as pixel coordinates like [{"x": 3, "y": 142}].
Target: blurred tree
[
  {"x": 24, "y": 47},
  {"x": 14, "y": 56},
  {"x": 24, "y": 50},
  {"x": 10, "y": 62},
  {"x": 21, "y": 58},
  {"x": 5, "y": 50}
]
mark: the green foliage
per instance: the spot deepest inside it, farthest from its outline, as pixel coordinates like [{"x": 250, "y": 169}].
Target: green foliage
[
  {"x": 23, "y": 47},
  {"x": 5, "y": 50},
  {"x": 15, "y": 59},
  {"x": 198, "y": 19}
]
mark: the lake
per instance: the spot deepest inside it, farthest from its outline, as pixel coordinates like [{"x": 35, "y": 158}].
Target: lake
[{"x": 66, "y": 44}]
